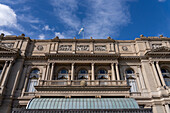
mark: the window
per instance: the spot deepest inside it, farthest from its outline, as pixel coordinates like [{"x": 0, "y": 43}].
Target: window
[
  {"x": 166, "y": 76},
  {"x": 131, "y": 81},
  {"x": 62, "y": 75},
  {"x": 33, "y": 80},
  {"x": 83, "y": 75},
  {"x": 102, "y": 75},
  {"x": 1, "y": 68}
]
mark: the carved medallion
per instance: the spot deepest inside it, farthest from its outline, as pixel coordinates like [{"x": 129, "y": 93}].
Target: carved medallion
[
  {"x": 82, "y": 47},
  {"x": 124, "y": 48},
  {"x": 40, "y": 47},
  {"x": 100, "y": 47},
  {"x": 65, "y": 48}
]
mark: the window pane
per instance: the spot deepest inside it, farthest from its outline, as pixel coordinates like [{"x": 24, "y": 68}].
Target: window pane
[
  {"x": 132, "y": 83},
  {"x": 63, "y": 71},
  {"x": 163, "y": 70},
  {"x": 83, "y": 72},
  {"x": 129, "y": 72},
  {"x": 102, "y": 72},
  {"x": 31, "y": 84},
  {"x": 35, "y": 71}
]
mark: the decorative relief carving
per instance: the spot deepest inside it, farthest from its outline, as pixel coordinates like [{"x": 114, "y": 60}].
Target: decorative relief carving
[
  {"x": 65, "y": 48},
  {"x": 40, "y": 47},
  {"x": 124, "y": 48},
  {"x": 82, "y": 47},
  {"x": 100, "y": 48},
  {"x": 9, "y": 45},
  {"x": 155, "y": 46}
]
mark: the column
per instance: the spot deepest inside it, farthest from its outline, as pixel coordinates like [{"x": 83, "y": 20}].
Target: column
[
  {"x": 47, "y": 73},
  {"x": 160, "y": 74},
  {"x": 92, "y": 69},
  {"x": 6, "y": 74},
  {"x": 117, "y": 72},
  {"x": 167, "y": 109},
  {"x": 138, "y": 83},
  {"x": 25, "y": 85},
  {"x": 52, "y": 70},
  {"x": 3, "y": 71},
  {"x": 72, "y": 71},
  {"x": 113, "y": 72},
  {"x": 156, "y": 74},
  {"x": 22, "y": 78},
  {"x": 141, "y": 78}
]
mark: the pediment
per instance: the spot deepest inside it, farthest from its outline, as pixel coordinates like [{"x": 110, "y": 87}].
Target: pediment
[{"x": 6, "y": 50}]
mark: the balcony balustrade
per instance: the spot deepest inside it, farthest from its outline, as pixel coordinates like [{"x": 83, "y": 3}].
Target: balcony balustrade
[{"x": 82, "y": 83}]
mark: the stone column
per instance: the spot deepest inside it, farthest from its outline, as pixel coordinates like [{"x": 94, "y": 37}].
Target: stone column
[
  {"x": 160, "y": 74},
  {"x": 25, "y": 85},
  {"x": 52, "y": 70},
  {"x": 3, "y": 71},
  {"x": 23, "y": 77},
  {"x": 6, "y": 74},
  {"x": 167, "y": 109},
  {"x": 117, "y": 72},
  {"x": 92, "y": 69},
  {"x": 47, "y": 72},
  {"x": 138, "y": 83},
  {"x": 156, "y": 74},
  {"x": 113, "y": 72},
  {"x": 72, "y": 71},
  {"x": 141, "y": 78}
]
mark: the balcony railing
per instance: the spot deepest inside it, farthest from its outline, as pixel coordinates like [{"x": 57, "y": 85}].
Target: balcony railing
[{"x": 82, "y": 83}]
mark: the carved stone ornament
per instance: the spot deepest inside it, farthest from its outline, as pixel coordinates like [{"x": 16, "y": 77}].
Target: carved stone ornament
[
  {"x": 9, "y": 45},
  {"x": 124, "y": 48},
  {"x": 100, "y": 47},
  {"x": 82, "y": 47},
  {"x": 40, "y": 47},
  {"x": 65, "y": 48},
  {"x": 155, "y": 46}
]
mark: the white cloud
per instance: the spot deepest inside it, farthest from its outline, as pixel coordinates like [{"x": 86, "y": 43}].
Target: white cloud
[
  {"x": 13, "y": 1},
  {"x": 100, "y": 18},
  {"x": 66, "y": 10},
  {"x": 105, "y": 18},
  {"x": 47, "y": 28},
  {"x": 41, "y": 36},
  {"x": 28, "y": 18},
  {"x": 161, "y": 0},
  {"x": 7, "y": 16},
  {"x": 6, "y": 32},
  {"x": 60, "y": 35}
]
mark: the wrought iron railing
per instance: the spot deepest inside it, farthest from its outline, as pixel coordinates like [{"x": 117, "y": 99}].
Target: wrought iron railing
[{"x": 82, "y": 83}]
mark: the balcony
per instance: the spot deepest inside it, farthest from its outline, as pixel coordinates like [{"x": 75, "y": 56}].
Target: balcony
[{"x": 82, "y": 85}]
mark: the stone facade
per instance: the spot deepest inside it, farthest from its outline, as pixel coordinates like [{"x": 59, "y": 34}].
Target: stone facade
[{"x": 98, "y": 68}]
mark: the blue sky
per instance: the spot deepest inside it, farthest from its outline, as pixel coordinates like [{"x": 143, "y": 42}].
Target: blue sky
[{"x": 119, "y": 19}]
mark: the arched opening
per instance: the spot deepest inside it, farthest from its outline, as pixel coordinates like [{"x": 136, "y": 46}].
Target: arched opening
[
  {"x": 83, "y": 75},
  {"x": 33, "y": 80},
  {"x": 102, "y": 75},
  {"x": 62, "y": 75},
  {"x": 131, "y": 80},
  {"x": 166, "y": 76}
]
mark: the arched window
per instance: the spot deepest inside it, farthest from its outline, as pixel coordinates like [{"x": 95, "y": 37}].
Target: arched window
[
  {"x": 62, "y": 75},
  {"x": 33, "y": 80},
  {"x": 83, "y": 75},
  {"x": 102, "y": 75},
  {"x": 1, "y": 68},
  {"x": 166, "y": 76},
  {"x": 131, "y": 80}
]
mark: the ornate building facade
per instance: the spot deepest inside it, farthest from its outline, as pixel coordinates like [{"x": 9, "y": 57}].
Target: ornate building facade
[{"x": 35, "y": 72}]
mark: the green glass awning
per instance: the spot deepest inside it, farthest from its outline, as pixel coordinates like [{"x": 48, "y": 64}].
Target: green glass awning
[{"x": 82, "y": 103}]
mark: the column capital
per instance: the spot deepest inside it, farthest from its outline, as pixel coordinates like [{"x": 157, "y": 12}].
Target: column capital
[
  {"x": 72, "y": 63},
  {"x": 112, "y": 64},
  {"x": 53, "y": 63},
  {"x": 92, "y": 64}
]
